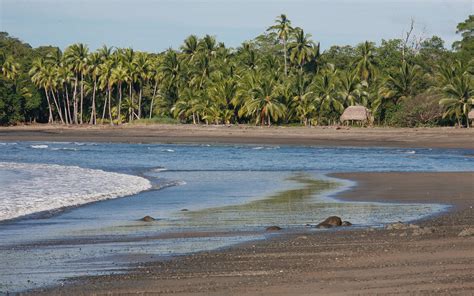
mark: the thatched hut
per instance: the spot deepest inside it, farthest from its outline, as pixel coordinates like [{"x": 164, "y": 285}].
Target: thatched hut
[
  {"x": 470, "y": 115},
  {"x": 358, "y": 114}
]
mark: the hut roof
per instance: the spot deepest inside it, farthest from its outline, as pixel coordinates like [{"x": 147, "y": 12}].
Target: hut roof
[
  {"x": 359, "y": 113},
  {"x": 470, "y": 115}
]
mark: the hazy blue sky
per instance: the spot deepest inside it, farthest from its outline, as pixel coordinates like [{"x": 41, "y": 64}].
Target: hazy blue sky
[{"x": 156, "y": 25}]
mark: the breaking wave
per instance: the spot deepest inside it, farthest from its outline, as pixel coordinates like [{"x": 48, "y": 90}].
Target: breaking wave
[{"x": 32, "y": 188}]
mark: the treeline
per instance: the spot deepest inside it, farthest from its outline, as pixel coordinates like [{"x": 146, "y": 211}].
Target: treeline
[{"x": 280, "y": 77}]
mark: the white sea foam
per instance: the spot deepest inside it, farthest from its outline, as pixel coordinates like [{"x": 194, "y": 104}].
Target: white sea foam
[
  {"x": 168, "y": 150},
  {"x": 39, "y": 146},
  {"x": 65, "y": 149},
  {"x": 32, "y": 188}
]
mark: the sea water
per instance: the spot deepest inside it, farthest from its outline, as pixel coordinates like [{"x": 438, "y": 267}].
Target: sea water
[{"x": 73, "y": 209}]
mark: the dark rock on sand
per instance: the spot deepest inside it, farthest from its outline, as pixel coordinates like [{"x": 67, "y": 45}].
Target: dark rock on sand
[
  {"x": 332, "y": 221},
  {"x": 273, "y": 228},
  {"x": 184, "y": 210},
  {"x": 346, "y": 223},
  {"x": 147, "y": 219}
]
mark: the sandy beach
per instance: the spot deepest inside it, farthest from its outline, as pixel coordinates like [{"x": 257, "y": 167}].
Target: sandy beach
[
  {"x": 244, "y": 134},
  {"x": 430, "y": 258}
]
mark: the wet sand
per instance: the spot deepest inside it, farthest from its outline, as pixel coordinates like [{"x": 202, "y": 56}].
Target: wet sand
[
  {"x": 243, "y": 134},
  {"x": 356, "y": 261}
]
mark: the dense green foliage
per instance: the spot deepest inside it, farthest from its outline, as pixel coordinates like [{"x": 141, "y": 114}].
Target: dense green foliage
[{"x": 279, "y": 77}]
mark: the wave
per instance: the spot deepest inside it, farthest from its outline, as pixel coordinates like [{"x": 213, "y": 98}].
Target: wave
[
  {"x": 39, "y": 146},
  {"x": 33, "y": 188}
]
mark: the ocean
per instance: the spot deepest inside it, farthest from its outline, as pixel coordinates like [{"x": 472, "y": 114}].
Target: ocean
[{"x": 73, "y": 209}]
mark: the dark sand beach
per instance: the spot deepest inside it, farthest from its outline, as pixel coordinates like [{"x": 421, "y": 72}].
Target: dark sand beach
[
  {"x": 434, "y": 260},
  {"x": 428, "y": 259}
]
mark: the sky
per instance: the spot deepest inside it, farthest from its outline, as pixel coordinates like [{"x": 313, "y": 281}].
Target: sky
[{"x": 157, "y": 25}]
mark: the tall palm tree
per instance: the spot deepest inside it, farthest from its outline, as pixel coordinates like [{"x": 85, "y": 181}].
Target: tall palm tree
[
  {"x": 283, "y": 29},
  {"x": 301, "y": 48},
  {"x": 401, "y": 84},
  {"x": 365, "y": 63},
  {"x": 76, "y": 56}
]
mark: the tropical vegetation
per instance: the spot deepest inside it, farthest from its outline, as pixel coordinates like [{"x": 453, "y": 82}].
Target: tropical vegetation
[{"x": 280, "y": 77}]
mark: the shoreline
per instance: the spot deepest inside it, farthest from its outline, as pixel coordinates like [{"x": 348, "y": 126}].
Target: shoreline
[
  {"x": 438, "y": 137},
  {"x": 295, "y": 263}
]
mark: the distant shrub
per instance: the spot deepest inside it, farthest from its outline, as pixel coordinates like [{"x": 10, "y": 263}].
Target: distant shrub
[
  {"x": 156, "y": 120},
  {"x": 422, "y": 110}
]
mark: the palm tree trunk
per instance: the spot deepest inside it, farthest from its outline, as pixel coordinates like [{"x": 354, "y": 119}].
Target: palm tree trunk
[
  {"x": 285, "y": 56},
  {"x": 50, "y": 117},
  {"x": 57, "y": 107},
  {"x": 131, "y": 100},
  {"x": 74, "y": 100},
  {"x": 119, "y": 117},
  {"x": 93, "y": 115},
  {"x": 82, "y": 96},
  {"x": 110, "y": 106},
  {"x": 68, "y": 104},
  {"x": 153, "y": 97},
  {"x": 66, "y": 119},
  {"x": 105, "y": 106},
  {"x": 140, "y": 103}
]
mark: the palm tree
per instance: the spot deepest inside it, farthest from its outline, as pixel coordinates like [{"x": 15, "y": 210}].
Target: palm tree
[
  {"x": 458, "y": 98},
  {"x": 401, "y": 84},
  {"x": 283, "y": 28},
  {"x": 106, "y": 81},
  {"x": 93, "y": 67},
  {"x": 261, "y": 100},
  {"x": 119, "y": 75},
  {"x": 65, "y": 76},
  {"x": 208, "y": 46},
  {"x": 302, "y": 97},
  {"x": 302, "y": 49},
  {"x": 157, "y": 76},
  {"x": 10, "y": 68},
  {"x": 190, "y": 47},
  {"x": 365, "y": 63},
  {"x": 37, "y": 73},
  {"x": 326, "y": 93},
  {"x": 143, "y": 74},
  {"x": 76, "y": 56},
  {"x": 351, "y": 90}
]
